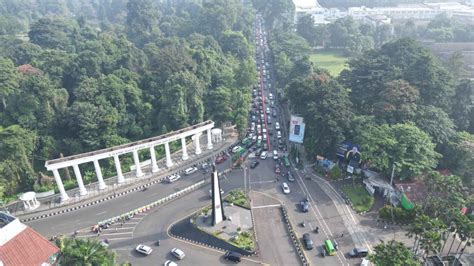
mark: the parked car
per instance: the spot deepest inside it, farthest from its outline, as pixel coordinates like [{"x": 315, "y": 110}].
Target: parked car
[
  {"x": 178, "y": 253},
  {"x": 304, "y": 205},
  {"x": 358, "y": 253},
  {"x": 258, "y": 152},
  {"x": 285, "y": 188},
  {"x": 254, "y": 164},
  {"x": 144, "y": 249},
  {"x": 307, "y": 241},
  {"x": 233, "y": 256}
]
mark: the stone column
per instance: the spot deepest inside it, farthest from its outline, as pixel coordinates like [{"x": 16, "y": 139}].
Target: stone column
[
  {"x": 98, "y": 172},
  {"x": 185, "y": 149},
  {"x": 154, "y": 166},
  {"x": 60, "y": 185},
  {"x": 138, "y": 169},
  {"x": 197, "y": 143},
  {"x": 169, "y": 163},
  {"x": 118, "y": 167},
  {"x": 77, "y": 172},
  {"x": 209, "y": 140}
]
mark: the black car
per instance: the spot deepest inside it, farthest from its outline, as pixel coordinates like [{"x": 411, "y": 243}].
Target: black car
[
  {"x": 254, "y": 164},
  {"x": 322, "y": 251},
  {"x": 304, "y": 205},
  {"x": 307, "y": 241},
  {"x": 233, "y": 256}
]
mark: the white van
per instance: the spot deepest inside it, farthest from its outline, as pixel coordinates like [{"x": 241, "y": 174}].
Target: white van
[
  {"x": 264, "y": 131},
  {"x": 173, "y": 178},
  {"x": 277, "y": 125},
  {"x": 190, "y": 170},
  {"x": 263, "y": 156}
]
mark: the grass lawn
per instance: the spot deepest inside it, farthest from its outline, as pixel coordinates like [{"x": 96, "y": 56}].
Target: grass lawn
[
  {"x": 332, "y": 60},
  {"x": 361, "y": 200},
  {"x": 238, "y": 197},
  {"x": 244, "y": 241}
]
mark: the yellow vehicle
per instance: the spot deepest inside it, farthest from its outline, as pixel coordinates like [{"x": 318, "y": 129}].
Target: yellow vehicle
[{"x": 329, "y": 247}]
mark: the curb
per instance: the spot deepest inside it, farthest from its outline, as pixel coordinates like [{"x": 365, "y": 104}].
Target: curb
[{"x": 296, "y": 243}]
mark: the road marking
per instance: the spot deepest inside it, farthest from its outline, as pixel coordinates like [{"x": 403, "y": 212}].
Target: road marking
[
  {"x": 261, "y": 182},
  {"x": 313, "y": 206},
  {"x": 267, "y": 206},
  {"x": 116, "y": 233},
  {"x": 101, "y": 213},
  {"x": 118, "y": 228}
]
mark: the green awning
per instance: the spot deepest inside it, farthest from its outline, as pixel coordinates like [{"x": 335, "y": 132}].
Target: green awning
[{"x": 406, "y": 203}]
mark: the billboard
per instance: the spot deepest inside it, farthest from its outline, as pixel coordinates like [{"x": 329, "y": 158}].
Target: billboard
[{"x": 296, "y": 129}]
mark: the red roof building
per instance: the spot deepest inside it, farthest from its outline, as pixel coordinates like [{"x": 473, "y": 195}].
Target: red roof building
[{"x": 21, "y": 245}]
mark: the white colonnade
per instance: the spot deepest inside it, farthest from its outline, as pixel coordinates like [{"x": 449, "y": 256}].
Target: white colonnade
[{"x": 193, "y": 131}]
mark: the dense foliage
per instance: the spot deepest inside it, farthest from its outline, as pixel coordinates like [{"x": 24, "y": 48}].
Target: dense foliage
[{"x": 86, "y": 76}]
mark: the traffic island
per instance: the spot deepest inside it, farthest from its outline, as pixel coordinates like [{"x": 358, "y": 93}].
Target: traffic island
[{"x": 236, "y": 233}]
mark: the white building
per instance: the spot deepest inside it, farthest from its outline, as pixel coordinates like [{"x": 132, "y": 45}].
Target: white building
[{"x": 307, "y": 7}]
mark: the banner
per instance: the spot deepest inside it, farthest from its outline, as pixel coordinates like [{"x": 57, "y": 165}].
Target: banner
[{"x": 296, "y": 129}]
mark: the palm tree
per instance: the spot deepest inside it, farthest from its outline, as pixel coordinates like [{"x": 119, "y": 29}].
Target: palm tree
[{"x": 75, "y": 251}]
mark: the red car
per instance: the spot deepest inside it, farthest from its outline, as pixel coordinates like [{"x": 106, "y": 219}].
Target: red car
[
  {"x": 277, "y": 170},
  {"x": 220, "y": 159}
]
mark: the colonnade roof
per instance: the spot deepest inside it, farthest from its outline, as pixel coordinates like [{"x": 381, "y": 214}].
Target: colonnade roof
[{"x": 125, "y": 148}]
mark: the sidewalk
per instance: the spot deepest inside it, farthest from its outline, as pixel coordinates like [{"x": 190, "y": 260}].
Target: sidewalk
[{"x": 131, "y": 183}]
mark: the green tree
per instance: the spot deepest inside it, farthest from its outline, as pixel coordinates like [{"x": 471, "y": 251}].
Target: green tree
[
  {"x": 53, "y": 34},
  {"x": 141, "y": 24},
  {"x": 392, "y": 253},
  {"x": 326, "y": 108},
  {"x": 76, "y": 251},
  {"x": 404, "y": 145},
  {"x": 435, "y": 122},
  {"x": 306, "y": 29},
  {"x": 397, "y": 102},
  {"x": 463, "y": 106},
  {"x": 16, "y": 149},
  {"x": 9, "y": 81},
  {"x": 235, "y": 43}
]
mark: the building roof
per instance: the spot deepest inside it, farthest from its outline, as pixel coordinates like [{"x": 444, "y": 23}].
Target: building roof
[{"x": 21, "y": 245}]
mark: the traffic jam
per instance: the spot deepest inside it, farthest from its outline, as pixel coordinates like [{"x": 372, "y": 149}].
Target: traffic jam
[{"x": 264, "y": 136}]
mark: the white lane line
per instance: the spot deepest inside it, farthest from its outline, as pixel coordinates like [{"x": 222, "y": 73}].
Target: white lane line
[
  {"x": 262, "y": 182},
  {"x": 266, "y": 206},
  {"x": 113, "y": 234},
  {"x": 101, "y": 213},
  {"x": 314, "y": 207}
]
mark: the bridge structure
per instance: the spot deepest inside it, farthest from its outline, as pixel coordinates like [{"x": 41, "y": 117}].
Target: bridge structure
[{"x": 94, "y": 157}]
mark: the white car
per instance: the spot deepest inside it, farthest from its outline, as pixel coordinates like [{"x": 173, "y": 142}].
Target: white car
[
  {"x": 235, "y": 149},
  {"x": 277, "y": 126},
  {"x": 275, "y": 155},
  {"x": 144, "y": 249},
  {"x": 178, "y": 253},
  {"x": 190, "y": 170},
  {"x": 279, "y": 134},
  {"x": 170, "y": 263},
  {"x": 173, "y": 178},
  {"x": 263, "y": 156},
  {"x": 286, "y": 188}
]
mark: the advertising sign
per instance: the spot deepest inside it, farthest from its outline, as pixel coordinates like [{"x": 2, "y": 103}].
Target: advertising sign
[{"x": 296, "y": 129}]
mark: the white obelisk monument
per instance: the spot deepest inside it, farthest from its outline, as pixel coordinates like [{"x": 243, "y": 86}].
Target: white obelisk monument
[{"x": 217, "y": 208}]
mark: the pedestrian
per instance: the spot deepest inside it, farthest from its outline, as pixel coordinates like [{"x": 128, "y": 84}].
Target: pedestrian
[{"x": 342, "y": 235}]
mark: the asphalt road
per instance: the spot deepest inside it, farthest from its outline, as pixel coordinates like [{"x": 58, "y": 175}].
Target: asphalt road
[{"x": 83, "y": 219}]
